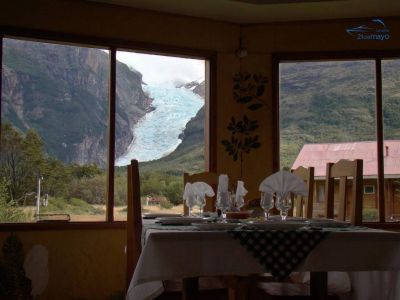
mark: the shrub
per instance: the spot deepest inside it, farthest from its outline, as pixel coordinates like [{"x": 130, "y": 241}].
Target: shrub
[
  {"x": 75, "y": 206},
  {"x": 9, "y": 209},
  {"x": 370, "y": 214},
  {"x": 173, "y": 192},
  {"x": 164, "y": 203}
]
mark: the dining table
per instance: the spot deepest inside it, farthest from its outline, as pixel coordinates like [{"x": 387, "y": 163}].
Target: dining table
[{"x": 370, "y": 257}]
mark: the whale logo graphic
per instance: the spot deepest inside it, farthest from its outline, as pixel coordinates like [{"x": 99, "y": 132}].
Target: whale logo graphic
[{"x": 376, "y": 29}]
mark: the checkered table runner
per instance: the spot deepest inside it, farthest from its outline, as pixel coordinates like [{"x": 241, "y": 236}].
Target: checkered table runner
[{"x": 279, "y": 251}]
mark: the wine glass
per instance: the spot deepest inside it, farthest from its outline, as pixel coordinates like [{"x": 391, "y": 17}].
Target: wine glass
[
  {"x": 190, "y": 202},
  {"x": 223, "y": 203},
  {"x": 266, "y": 203},
  {"x": 201, "y": 202},
  {"x": 239, "y": 199},
  {"x": 284, "y": 204}
]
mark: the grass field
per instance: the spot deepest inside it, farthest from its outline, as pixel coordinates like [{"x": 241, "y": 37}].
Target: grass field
[{"x": 119, "y": 213}]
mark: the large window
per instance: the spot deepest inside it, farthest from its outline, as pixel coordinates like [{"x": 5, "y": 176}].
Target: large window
[
  {"x": 72, "y": 118},
  {"x": 333, "y": 109},
  {"x": 167, "y": 129}
]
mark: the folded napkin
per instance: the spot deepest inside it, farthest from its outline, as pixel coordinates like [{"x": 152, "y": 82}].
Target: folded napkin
[
  {"x": 202, "y": 189},
  {"x": 189, "y": 194},
  {"x": 282, "y": 183},
  {"x": 223, "y": 182},
  {"x": 240, "y": 193}
]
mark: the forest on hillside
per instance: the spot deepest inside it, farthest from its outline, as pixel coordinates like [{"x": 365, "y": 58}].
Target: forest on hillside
[{"x": 71, "y": 188}]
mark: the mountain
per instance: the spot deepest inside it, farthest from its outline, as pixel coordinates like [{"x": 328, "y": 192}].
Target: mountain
[
  {"x": 189, "y": 155},
  {"x": 61, "y": 91},
  {"x": 325, "y": 102},
  {"x": 320, "y": 102},
  {"x": 198, "y": 88}
]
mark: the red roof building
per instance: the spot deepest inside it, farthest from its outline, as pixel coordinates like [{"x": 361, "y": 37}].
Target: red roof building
[{"x": 318, "y": 155}]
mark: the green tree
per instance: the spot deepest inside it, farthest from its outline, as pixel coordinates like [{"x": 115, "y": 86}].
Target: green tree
[
  {"x": 11, "y": 160},
  {"x": 9, "y": 210},
  {"x": 56, "y": 178},
  {"x": 86, "y": 171},
  {"x": 173, "y": 192}
]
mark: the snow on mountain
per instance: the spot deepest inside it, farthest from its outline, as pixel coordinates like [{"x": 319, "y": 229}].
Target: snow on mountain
[{"x": 157, "y": 134}]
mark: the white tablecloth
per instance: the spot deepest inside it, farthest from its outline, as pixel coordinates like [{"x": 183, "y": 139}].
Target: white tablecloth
[{"x": 179, "y": 254}]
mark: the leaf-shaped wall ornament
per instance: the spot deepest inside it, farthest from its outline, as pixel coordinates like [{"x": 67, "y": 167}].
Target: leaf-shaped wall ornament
[{"x": 248, "y": 90}]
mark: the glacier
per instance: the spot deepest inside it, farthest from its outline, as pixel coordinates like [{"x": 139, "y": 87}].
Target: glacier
[{"x": 157, "y": 133}]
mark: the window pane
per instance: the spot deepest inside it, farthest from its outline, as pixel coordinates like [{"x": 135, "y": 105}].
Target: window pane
[
  {"x": 160, "y": 122},
  {"x": 327, "y": 113},
  {"x": 391, "y": 127},
  {"x": 53, "y": 131}
]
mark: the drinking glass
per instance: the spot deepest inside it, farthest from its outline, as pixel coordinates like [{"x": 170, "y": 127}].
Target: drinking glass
[
  {"x": 223, "y": 203},
  {"x": 266, "y": 203},
  {"x": 201, "y": 202},
  {"x": 284, "y": 204},
  {"x": 190, "y": 202},
  {"x": 239, "y": 201}
]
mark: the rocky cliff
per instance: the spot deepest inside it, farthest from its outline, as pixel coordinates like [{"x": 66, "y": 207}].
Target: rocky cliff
[{"x": 62, "y": 92}]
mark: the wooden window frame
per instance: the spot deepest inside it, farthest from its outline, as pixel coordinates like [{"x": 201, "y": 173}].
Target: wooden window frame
[
  {"x": 376, "y": 56},
  {"x": 113, "y": 45}
]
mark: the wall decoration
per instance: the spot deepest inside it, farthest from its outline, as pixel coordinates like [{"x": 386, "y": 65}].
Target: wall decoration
[
  {"x": 248, "y": 90},
  {"x": 36, "y": 269},
  {"x": 20, "y": 277}
]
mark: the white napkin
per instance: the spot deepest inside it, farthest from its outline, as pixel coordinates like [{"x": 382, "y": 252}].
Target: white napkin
[
  {"x": 202, "y": 189},
  {"x": 240, "y": 193},
  {"x": 282, "y": 183},
  {"x": 223, "y": 182},
  {"x": 189, "y": 194}
]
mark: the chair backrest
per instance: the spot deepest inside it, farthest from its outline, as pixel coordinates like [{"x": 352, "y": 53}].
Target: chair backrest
[
  {"x": 342, "y": 170},
  {"x": 134, "y": 221},
  {"x": 210, "y": 178},
  {"x": 304, "y": 205}
]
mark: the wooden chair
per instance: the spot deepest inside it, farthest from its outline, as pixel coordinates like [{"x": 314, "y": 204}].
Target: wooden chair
[
  {"x": 270, "y": 289},
  {"x": 207, "y": 177},
  {"x": 304, "y": 205},
  {"x": 134, "y": 221},
  {"x": 344, "y": 169}
]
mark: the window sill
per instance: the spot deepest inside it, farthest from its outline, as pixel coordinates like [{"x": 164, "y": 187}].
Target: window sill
[{"x": 62, "y": 226}]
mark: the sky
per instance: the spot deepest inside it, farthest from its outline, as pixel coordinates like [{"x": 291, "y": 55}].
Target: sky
[{"x": 164, "y": 70}]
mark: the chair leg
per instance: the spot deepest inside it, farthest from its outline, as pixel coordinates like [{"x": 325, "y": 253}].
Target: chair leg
[
  {"x": 319, "y": 285},
  {"x": 238, "y": 287},
  {"x": 190, "y": 288}
]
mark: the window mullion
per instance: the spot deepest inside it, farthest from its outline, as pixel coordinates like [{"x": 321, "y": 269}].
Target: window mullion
[
  {"x": 1, "y": 79},
  {"x": 111, "y": 137},
  {"x": 379, "y": 139}
]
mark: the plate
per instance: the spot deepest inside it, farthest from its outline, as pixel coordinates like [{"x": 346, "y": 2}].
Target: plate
[
  {"x": 216, "y": 226},
  {"x": 276, "y": 225},
  {"x": 160, "y": 215},
  {"x": 178, "y": 220}
]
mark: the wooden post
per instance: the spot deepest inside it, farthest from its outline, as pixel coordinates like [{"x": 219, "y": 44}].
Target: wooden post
[{"x": 329, "y": 192}]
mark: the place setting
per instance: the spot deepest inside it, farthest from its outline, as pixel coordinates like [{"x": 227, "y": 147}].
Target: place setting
[{"x": 228, "y": 205}]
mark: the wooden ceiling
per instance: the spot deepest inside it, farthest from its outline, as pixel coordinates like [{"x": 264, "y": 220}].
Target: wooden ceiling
[{"x": 265, "y": 11}]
